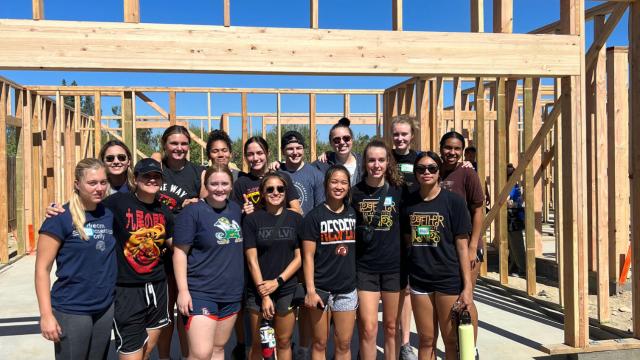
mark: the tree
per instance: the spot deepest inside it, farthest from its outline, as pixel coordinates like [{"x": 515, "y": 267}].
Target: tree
[{"x": 69, "y": 100}]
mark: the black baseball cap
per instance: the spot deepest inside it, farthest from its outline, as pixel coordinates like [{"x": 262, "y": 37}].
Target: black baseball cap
[
  {"x": 147, "y": 165},
  {"x": 291, "y": 137}
]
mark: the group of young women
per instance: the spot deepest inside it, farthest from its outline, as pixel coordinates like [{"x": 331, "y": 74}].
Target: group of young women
[{"x": 132, "y": 244}]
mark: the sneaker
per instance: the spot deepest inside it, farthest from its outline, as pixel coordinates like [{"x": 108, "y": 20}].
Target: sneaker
[
  {"x": 239, "y": 352},
  {"x": 406, "y": 352}
]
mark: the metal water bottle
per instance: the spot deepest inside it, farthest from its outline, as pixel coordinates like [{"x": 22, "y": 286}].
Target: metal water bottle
[
  {"x": 267, "y": 339},
  {"x": 466, "y": 341}
]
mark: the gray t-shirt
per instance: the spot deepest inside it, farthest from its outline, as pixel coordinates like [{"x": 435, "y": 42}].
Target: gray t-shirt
[{"x": 308, "y": 181}]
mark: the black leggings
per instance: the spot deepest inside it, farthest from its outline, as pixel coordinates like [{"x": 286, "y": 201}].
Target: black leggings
[{"x": 84, "y": 336}]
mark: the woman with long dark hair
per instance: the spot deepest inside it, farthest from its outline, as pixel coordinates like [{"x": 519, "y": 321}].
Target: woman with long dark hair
[
  {"x": 436, "y": 229},
  {"x": 271, "y": 242},
  {"x": 117, "y": 157}
]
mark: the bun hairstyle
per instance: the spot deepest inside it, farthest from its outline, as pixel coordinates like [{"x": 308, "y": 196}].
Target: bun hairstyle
[
  {"x": 78, "y": 216},
  {"x": 342, "y": 123}
]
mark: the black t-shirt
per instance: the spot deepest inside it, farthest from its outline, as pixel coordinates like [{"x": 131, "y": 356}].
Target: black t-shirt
[
  {"x": 335, "y": 257},
  {"x": 383, "y": 254},
  {"x": 433, "y": 226},
  {"x": 275, "y": 253},
  {"x": 249, "y": 184},
  {"x": 141, "y": 232},
  {"x": 405, "y": 167},
  {"x": 179, "y": 185}
]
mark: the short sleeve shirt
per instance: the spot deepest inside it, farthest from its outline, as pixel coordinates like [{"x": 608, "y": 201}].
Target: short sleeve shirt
[
  {"x": 179, "y": 185},
  {"x": 383, "y": 253},
  {"x": 308, "y": 182},
  {"x": 466, "y": 183},
  {"x": 275, "y": 251},
  {"x": 249, "y": 185},
  {"x": 335, "y": 257},
  {"x": 405, "y": 167},
  {"x": 85, "y": 269},
  {"x": 141, "y": 232},
  {"x": 432, "y": 227},
  {"x": 215, "y": 261}
]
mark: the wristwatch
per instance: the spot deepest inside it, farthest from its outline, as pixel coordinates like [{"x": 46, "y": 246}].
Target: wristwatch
[{"x": 280, "y": 281}]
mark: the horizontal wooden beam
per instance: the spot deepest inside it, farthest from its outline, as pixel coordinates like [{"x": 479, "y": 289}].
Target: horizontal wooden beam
[
  {"x": 103, "y": 46},
  {"x": 594, "y": 346}
]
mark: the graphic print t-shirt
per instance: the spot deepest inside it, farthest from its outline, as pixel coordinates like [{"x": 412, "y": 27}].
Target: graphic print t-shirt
[
  {"x": 308, "y": 182},
  {"x": 382, "y": 254},
  {"x": 405, "y": 167},
  {"x": 215, "y": 262},
  {"x": 249, "y": 184},
  {"x": 141, "y": 231},
  {"x": 335, "y": 257},
  {"x": 85, "y": 269},
  {"x": 433, "y": 226},
  {"x": 179, "y": 185},
  {"x": 275, "y": 252}
]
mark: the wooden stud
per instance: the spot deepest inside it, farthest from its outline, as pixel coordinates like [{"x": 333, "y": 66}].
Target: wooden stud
[
  {"x": 313, "y": 9},
  {"x": 347, "y": 105},
  {"x": 537, "y": 164},
  {"x": 77, "y": 119},
  {"x": 378, "y": 100},
  {"x": 457, "y": 104},
  {"x": 226, "y": 12},
  {"x": 618, "y": 157},
  {"x": 500, "y": 179},
  {"x": 312, "y": 126},
  {"x": 69, "y": 153},
  {"x": 421, "y": 122},
  {"x": 153, "y": 104},
  {"x": 172, "y": 107},
  {"x": 409, "y": 100},
  {"x": 128, "y": 128},
  {"x": 477, "y": 15},
  {"x": 245, "y": 134},
  {"x": 97, "y": 123},
  {"x": 278, "y": 129},
  {"x": 57, "y": 148},
  {"x": 37, "y": 9},
  {"x": 396, "y": 10},
  {"x": 132, "y": 11},
  {"x": 4, "y": 203},
  {"x": 634, "y": 115},
  {"x": 481, "y": 151},
  {"x": 27, "y": 183},
  {"x": 605, "y": 29},
  {"x": 529, "y": 185},
  {"x": 37, "y": 166},
  {"x": 438, "y": 125},
  {"x": 513, "y": 135},
  {"x": 50, "y": 134}
]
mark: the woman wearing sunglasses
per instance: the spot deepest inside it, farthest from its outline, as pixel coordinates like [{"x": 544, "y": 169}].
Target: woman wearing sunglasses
[
  {"x": 377, "y": 200},
  {"x": 246, "y": 189},
  {"x": 117, "y": 158},
  {"x": 271, "y": 238},
  {"x": 436, "y": 227},
  {"x": 341, "y": 139},
  {"x": 329, "y": 248}
]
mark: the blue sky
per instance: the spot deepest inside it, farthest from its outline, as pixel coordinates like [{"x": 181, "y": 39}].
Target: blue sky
[{"x": 419, "y": 15}]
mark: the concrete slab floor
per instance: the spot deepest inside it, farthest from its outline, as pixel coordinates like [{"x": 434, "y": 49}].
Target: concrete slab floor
[{"x": 508, "y": 330}]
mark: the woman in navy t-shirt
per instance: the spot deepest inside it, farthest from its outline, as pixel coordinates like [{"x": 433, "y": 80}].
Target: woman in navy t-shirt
[
  {"x": 77, "y": 312},
  {"x": 208, "y": 265},
  {"x": 436, "y": 227}
]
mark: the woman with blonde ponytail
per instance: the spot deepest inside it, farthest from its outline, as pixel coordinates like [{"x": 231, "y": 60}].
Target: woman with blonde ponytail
[{"x": 76, "y": 314}]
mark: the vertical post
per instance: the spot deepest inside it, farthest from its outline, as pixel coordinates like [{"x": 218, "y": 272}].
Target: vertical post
[
  {"x": 574, "y": 187},
  {"x": 477, "y": 15},
  {"x": 347, "y": 105},
  {"x": 57, "y": 147},
  {"x": 127, "y": 119},
  {"x": 422, "y": 116},
  {"x": 172, "y": 107},
  {"x": 278, "y": 129},
  {"x": 227, "y": 12},
  {"x": 37, "y": 9},
  {"x": 537, "y": 164},
  {"x": 500, "y": 178},
  {"x": 4, "y": 203},
  {"x": 27, "y": 184},
  {"x": 389, "y": 110},
  {"x": 245, "y": 134},
  {"x": 132, "y": 11},
  {"x": 38, "y": 165},
  {"x": 438, "y": 127},
  {"x": 396, "y": 14},
  {"x": 634, "y": 115},
  {"x": 69, "y": 153},
  {"x": 313, "y": 8},
  {"x": 480, "y": 105},
  {"x": 529, "y": 209},
  {"x": 50, "y": 134},
  {"x": 20, "y": 171},
  {"x": 378, "y": 114},
  {"x": 457, "y": 104},
  {"x": 77, "y": 122},
  {"x": 618, "y": 157},
  {"x": 97, "y": 123},
  {"x": 312, "y": 126}
]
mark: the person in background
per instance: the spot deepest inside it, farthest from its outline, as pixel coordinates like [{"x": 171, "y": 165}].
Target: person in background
[
  {"x": 470, "y": 156},
  {"x": 329, "y": 246},
  {"x": 341, "y": 140},
  {"x": 117, "y": 158},
  {"x": 464, "y": 181},
  {"x": 219, "y": 150},
  {"x": 403, "y": 131},
  {"x": 380, "y": 275},
  {"x": 436, "y": 227},
  {"x": 271, "y": 242},
  {"x": 515, "y": 225},
  {"x": 209, "y": 266},
  {"x": 77, "y": 313}
]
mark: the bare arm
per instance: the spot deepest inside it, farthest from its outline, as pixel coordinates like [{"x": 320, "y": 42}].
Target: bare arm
[
  {"x": 251, "y": 256},
  {"x": 267, "y": 287},
  {"x": 48, "y": 247},
  {"x": 476, "y": 225},
  {"x": 203, "y": 189},
  {"x": 294, "y": 205},
  {"x": 180, "y": 271},
  {"x": 462, "y": 247}
]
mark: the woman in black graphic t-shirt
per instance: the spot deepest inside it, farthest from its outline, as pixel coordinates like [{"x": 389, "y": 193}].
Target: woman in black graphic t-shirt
[
  {"x": 436, "y": 227},
  {"x": 329, "y": 246},
  {"x": 271, "y": 242},
  {"x": 378, "y": 249}
]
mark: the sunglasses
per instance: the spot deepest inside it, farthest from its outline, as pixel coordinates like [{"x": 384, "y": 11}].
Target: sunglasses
[
  {"x": 337, "y": 140},
  {"x": 271, "y": 189},
  {"x": 421, "y": 169},
  {"x": 110, "y": 158}
]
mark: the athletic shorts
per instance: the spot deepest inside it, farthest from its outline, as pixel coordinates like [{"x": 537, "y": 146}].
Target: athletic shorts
[
  {"x": 343, "y": 302},
  {"x": 426, "y": 289},
  {"x": 381, "y": 282},
  {"x": 282, "y": 303},
  {"x": 138, "y": 308},
  {"x": 214, "y": 310}
]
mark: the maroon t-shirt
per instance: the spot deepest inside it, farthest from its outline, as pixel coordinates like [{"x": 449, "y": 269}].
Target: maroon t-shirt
[{"x": 466, "y": 183}]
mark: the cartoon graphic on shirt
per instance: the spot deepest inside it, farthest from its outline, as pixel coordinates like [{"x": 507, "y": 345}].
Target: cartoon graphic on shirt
[
  {"x": 168, "y": 200},
  {"x": 367, "y": 208},
  {"x": 230, "y": 231},
  {"x": 338, "y": 232},
  {"x": 253, "y": 194},
  {"x": 142, "y": 250},
  {"x": 425, "y": 228}
]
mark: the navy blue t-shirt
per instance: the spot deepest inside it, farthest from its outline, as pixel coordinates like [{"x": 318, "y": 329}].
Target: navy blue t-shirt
[
  {"x": 86, "y": 269},
  {"x": 215, "y": 261}
]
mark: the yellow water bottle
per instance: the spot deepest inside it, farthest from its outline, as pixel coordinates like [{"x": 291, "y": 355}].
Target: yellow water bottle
[{"x": 466, "y": 343}]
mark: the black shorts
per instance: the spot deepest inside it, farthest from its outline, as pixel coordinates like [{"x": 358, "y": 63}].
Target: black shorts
[
  {"x": 381, "y": 282},
  {"x": 138, "y": 308},
  {"x": 282, "y": 303}
]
